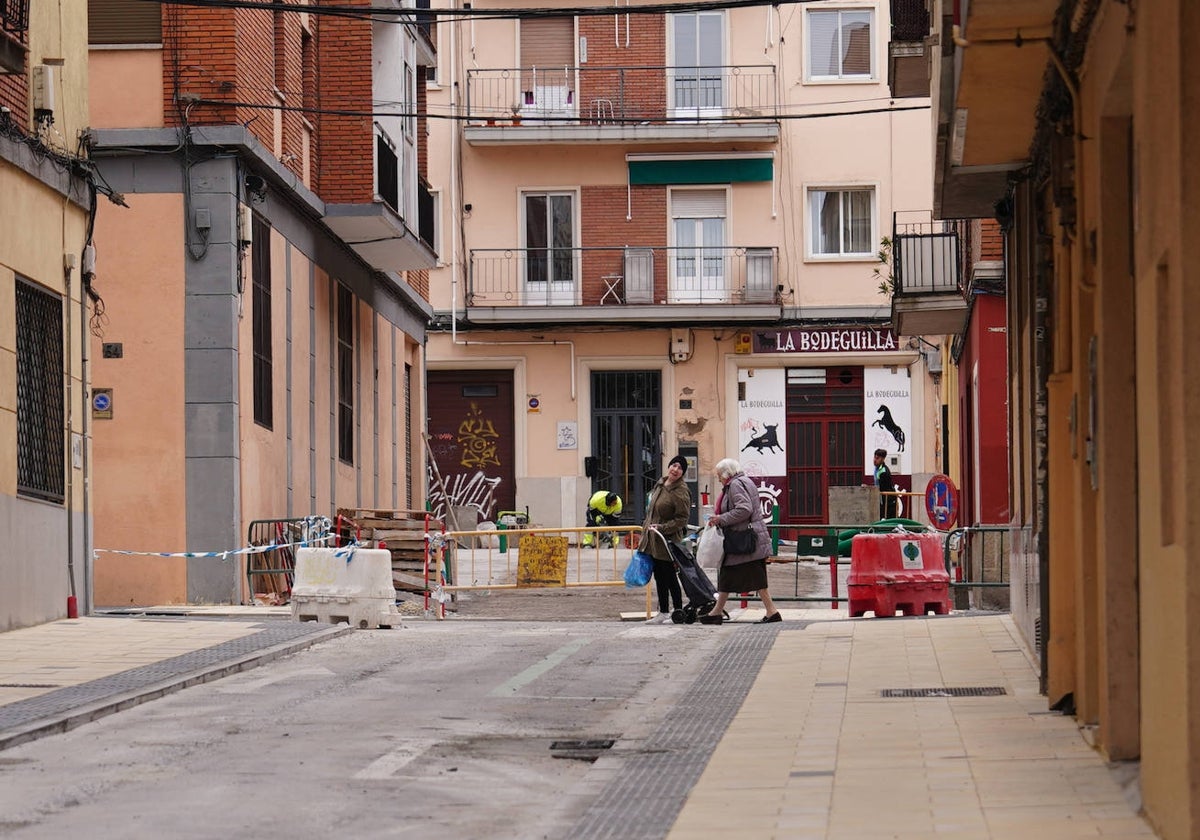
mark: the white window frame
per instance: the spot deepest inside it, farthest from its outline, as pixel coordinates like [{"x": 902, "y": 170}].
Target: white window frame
[
  {"x": 840, "y": 78},
  {"x": 702, "y": 288},
  {"x": 814, "y": 223},
  {"x": 558, "y": 292},
  {"x": 722, "y": 67}
]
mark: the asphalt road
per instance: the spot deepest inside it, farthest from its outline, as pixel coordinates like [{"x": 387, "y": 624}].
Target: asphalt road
[{"x": 444, "y": 728}]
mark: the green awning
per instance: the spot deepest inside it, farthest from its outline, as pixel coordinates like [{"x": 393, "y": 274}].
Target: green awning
[{"x": 706, "y": 171}]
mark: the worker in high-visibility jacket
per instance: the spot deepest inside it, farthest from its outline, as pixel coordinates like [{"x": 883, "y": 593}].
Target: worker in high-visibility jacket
[{"x": 604, "y": 508}]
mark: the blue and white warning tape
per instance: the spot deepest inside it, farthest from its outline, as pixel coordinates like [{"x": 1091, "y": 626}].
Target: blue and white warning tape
[{"x": 317, "y": 531}]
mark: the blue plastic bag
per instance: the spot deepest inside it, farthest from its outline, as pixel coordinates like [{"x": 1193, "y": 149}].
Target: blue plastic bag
[{"x": 640, "y": 570}]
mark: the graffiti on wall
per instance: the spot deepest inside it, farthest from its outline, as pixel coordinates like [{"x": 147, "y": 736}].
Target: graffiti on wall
[
  {"x": 472, "y": 449},
  {"x": 478, "y": 438},
  {"x": 476, "y": 490}
]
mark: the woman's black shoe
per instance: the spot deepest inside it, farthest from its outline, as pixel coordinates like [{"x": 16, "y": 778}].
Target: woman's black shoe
[
  {"x": 771, "y": 619},
  {"x": 711, "y": 619}
]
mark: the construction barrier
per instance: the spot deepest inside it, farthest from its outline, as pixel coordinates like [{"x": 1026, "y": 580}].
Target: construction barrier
[
  {"x": 898, "y": 571},
  {"x": 352, "y": 585}
]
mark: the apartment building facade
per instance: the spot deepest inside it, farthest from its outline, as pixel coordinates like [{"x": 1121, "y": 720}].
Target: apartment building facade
[
  {"x": 266, "y": 288},
  {"x": 660, "y": 234},
  {"x": 1070, "y": 123},
  {"x": 46, "y": 197}
]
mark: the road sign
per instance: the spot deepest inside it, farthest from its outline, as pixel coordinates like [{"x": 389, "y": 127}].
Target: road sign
[
  {"x": 941, "y": 502},
  {"x": 102, "y": 406}
]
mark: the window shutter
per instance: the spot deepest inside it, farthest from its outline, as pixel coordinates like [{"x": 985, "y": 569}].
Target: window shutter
[
  {"x": 547, "y": 42},
  {"x": 823, "y": 49},
  {"x": 124, "y": 22},
  {"x": 697, "y": 204}
]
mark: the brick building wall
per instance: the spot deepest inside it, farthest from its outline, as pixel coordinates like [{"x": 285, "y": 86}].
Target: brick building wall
[
  {"x": 604, "y": 225},
  {"x": 14, "y": 95},
  {"x": 345, "y": 142},
  {"x": 634, "y": 94},
  {"x": 991, "y": 240}
]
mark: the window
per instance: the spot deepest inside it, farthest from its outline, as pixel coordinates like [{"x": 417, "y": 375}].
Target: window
[
  {"x": 839, "y": 44},
  {"x": 40, "y": 456},
  {"x": 698, "y": 231},
  {"x": 345, "y": 374},
  {"x": 842, "y": 222},
  {"x": 260, "y": 269},
  {"x": 124, "y": 22},
  {"x": 699, "y": 53},
  {"x": 549, "y": 247},
  {"x": 547, "y": 66}
]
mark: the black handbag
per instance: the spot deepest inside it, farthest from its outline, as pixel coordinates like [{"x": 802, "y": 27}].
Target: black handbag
[{"x": 739, "y": 542}]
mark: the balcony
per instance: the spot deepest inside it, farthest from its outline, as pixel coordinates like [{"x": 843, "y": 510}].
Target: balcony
[
  {"x": 927, "y": 277},
  {"x": 908, "y": 59},
  {"x": 14, "y": 26},
  {"x": 630, "y": 284},
  {"x": 987, "y": 78},
  {"x": 622, "y": 105}
]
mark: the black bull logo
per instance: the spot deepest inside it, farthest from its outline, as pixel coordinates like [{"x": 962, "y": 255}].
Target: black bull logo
[{"x": 768, "y": 440}]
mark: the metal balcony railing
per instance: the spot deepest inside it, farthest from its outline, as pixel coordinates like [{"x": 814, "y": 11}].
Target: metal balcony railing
[
  {"x": 618, "y": 95},
  {"x": 929, "y": 257},
  {"x": 14, "y": 16},
  {"x": 622, "y": 276},
  {"x": 910, "y": 20}
]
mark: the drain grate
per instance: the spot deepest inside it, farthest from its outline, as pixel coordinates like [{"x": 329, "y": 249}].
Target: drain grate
[
  {"x": 593, "y": 744},
  {"x": 968, "y": 691},
  {"x": 28, "y": 685}
]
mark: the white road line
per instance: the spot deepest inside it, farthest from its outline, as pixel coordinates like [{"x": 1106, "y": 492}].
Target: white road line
[
  {"x": 387, "y": 764},
  {"x": 531, "y": 673}
]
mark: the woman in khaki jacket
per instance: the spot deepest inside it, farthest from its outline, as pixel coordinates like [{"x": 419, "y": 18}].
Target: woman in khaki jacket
[{"x": 670, "y": 505}]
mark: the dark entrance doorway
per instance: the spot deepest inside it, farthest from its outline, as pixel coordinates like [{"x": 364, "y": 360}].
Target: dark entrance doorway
[
  {"x": 471, "y": 429},
  {"x": 825, "y": 438},
  {"x": 626, "y": 434}
]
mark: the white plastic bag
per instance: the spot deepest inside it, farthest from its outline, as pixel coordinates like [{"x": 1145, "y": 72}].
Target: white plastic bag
[{"x": 710, "y": 548}]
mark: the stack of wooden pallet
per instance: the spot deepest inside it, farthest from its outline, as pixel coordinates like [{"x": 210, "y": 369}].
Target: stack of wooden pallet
[{"x": 403, "y": 533}]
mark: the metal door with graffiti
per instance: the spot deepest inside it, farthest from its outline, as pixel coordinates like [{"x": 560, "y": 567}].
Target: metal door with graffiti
[
  {"x": 626, "y": 435},
  {"x": 824, "y": 438},
  {"x": 471, "y": 437}
]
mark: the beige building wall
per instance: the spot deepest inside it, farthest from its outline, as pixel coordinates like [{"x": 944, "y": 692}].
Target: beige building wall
[{"x": 43, "y": 227}]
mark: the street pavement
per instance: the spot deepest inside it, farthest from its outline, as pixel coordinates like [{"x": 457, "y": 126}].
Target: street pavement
[{"x": 841, "y": 728}]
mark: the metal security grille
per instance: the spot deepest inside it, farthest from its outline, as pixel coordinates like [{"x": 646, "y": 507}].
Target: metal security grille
[
  {"x": 260, "y": 267},
  {"x": 40, "y": 463},
  {"x": 626, "y": 430},
  {"x": 824, "y": 436},
  {"x": 968, "y": 691},
  {"x": 345, "y": 374},
  {"x": 408, "y": 453}
]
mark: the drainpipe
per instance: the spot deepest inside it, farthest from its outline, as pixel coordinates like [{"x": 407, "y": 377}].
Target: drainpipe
[{"x": 72, "y": 602}]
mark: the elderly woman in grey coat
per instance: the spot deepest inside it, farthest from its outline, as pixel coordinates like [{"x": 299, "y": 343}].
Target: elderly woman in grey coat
[{"x": 737, "y": 509}]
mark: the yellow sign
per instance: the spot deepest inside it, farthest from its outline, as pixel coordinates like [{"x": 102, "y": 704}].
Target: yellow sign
[
  {"x": 742, "y": 344},
  {"x": 542, "y": 561}
]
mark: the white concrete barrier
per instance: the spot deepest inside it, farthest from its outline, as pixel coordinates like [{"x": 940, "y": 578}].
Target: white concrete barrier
[{"x": 353, "y": 585}]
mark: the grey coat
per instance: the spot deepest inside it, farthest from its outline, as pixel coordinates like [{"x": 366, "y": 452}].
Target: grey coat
[{"x": 740, "y": 505}]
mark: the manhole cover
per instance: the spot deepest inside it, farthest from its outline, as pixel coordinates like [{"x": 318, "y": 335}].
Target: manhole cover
[{"x": 968, "y": 691}]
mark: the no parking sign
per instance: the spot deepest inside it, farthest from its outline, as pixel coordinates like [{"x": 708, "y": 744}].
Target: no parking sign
[{"x": 941, "y": 502}]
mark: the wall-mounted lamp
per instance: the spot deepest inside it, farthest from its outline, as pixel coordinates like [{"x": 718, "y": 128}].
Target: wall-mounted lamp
[{"x": 256, "y": 188}]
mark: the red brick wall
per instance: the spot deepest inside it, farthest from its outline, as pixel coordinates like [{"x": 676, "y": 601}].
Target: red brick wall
[
  {"x": 200, "y": 58},
  {"x": 14, "y": 95},
  {"x": 991, "y": 240},
  {"x": 640, "y": 94},
  {"x": 345, "y": 143},
  {"x": 604, "y": 225}
]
